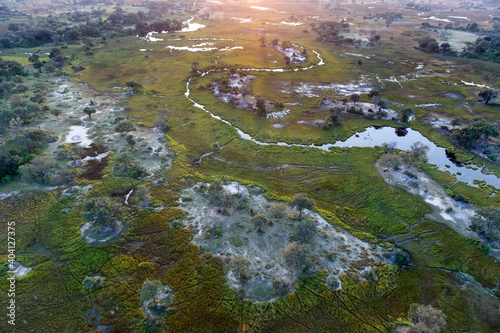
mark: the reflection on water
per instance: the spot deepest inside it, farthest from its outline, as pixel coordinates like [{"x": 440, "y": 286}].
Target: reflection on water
[{"x": 376, "y": 136}]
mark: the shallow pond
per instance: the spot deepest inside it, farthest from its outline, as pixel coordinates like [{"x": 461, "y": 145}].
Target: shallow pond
[{"x": 376, "y": 136}]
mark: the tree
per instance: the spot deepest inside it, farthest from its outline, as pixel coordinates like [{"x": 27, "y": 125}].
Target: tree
[
  {"x": 194, "y": 67},
  {"x": 275, "y": 42},
  {"x": 406, "y": 114},
  {"x": 305, "y": 231},
  {"x": 46, "y": 170},
  {"x": 103, "y": 212},
  {"x": 130, "y": 140},
  {"x": 225, "y": 202},
  {"x": 240, "y": 267},
  {"x": 286, "y": 45},
  {"x": 456, "y": 122},
  {"x": 286, "y": 60},
  {"x": 261, "y": 107},
  {"x": 89, "y": 111},
  {"x": 417, "y": 153},
  {"x": 487, "y": 223},
  {"x": 125, "y": 127},
  {"x": 487, "y": 95},
  {"x": 425, "y": 319},
  {"x": 135, "y": 86},
  {"x": 263, "y": 41},
  {"x": 380, "y": 102},
  {"x": 300, "y": 201},
  {"x": 125, "y": 160},
  {"x": 22, "y": 88},
  {"x": 161, "y": 123},
  {"x": 297, "y": 257},
  {"x": 142, "y": 197},
  {"x": 56, "y": 112},
  {"x": 34, "y": 58},
  {"x": 479, "y": 131},
  {"x": 277, "y": 210},
  {"x": 259, "y": 221},
  {"x": 355, "y": 98}
]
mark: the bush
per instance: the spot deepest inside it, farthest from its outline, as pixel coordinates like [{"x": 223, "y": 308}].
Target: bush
[
  {"x": 304, "y": 231},
  {"x": 297, "y": 257},
  {"x": 259, "y": 221},
  {"x": 277, "y": 210}
]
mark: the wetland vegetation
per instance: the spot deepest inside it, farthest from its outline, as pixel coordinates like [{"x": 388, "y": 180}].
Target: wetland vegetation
[{"x": 216, "y": 166}]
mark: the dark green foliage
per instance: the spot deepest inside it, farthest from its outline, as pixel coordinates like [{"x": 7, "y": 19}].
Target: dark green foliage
[
  {"x": 135, "y": 86},
  {"x": 301, "y": 202},
  {"x": 260, "y": 221},
  {"x": 480, "y": 131},
  {"x": 406, "y": 114},
  {"x": 130, "y": 140},
  {"x": 400, "y": 257},
  {"x": 224, "y": 201},
  {"x": 261, "y": 107},
  {"x": 487, "y": 95},
  {"x": 487, "y": 223},
  {"x": 304, "y": 231},
  {"x": 417, "y": 153},
  {"x": 485, "y": 48},
  {"x": 125, "y": 127},
  {"x": 89, "y": 111},
  {"x": 127, "y": 166},
  {"x": 47, "y": 171},
  {"x": 239, "y": 266},
  {"x": 103, "y": 211},
  {"x": 297, "y": 257}
]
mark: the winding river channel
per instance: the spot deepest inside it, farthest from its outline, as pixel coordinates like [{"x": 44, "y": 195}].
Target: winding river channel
[{"x": 375, "y": 136}]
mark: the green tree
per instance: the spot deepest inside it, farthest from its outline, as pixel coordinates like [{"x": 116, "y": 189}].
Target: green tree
[
  {"x": 355, "y": 98},
  {"x": 34, "y": 58},
  {"x": 125, "y": 160},
  {"x": 486, "y": 223},
  {"x": 300, "y": 201},
  {"x": 102, "y": 211},
  {"x": 125, "y": 127},
  {"x": 277, "y": 210},
  {"x": 487, "y": 95},
  {"x": 47, "y": 171},
  {"x": 89, "y": 111},
  {"x": 406, "y": 114},
  {"x": 297, "y": 257},
  {"x": 135, "y": 86},
  {"x": 261, "y": 107},
  {"x": 240, "y": 268},
  {"x": 259, "y": 221},
  {"x": 456, "y": 122},
  {"x": 417, "y": 153},
  {"x": 304, "y": 231},
  {"x": 56, "y": 112},
  {"x": 480, "y": 131},
  {"x": 130, "y": 140}
]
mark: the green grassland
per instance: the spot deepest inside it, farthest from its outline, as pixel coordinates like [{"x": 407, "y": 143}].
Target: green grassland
[{"x": 347, "y": 188}]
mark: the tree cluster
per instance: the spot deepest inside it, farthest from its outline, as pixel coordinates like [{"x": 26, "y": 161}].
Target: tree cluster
[{"x": 479, "y": 132}]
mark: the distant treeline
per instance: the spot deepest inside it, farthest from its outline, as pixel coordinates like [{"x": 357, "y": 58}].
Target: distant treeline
[
  {"x": 330, "y": 32},
  {"x": 486, "y": 47},
  {"x": 80, "y": 25}
]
